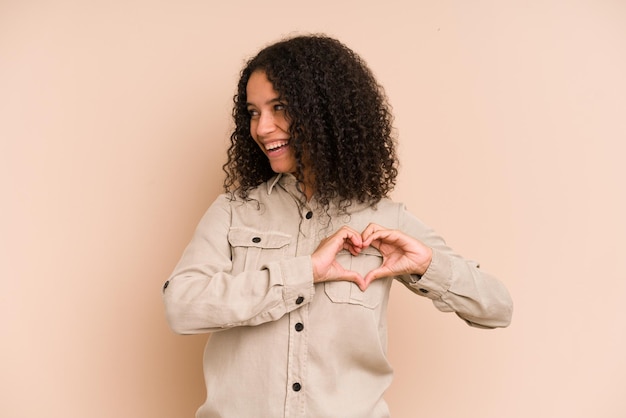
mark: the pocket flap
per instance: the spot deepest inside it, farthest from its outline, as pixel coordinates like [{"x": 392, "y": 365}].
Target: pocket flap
[
  {"x": 371, "y": 251},
  {"x": 243, "y": 237}
]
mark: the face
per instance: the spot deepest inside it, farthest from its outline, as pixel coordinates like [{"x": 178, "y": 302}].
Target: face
[{"x": 269, "y": 125}]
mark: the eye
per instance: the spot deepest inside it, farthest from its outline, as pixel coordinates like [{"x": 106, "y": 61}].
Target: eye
[
  {"x": 279, "y": 107},
  {"x": 253, "y": 113}
]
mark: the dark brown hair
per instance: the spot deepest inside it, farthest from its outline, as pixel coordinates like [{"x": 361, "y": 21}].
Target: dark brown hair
[{"x": 339, "y": 119}]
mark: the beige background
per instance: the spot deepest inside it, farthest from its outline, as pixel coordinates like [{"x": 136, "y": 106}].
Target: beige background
[{"x": 114, "y": 118}]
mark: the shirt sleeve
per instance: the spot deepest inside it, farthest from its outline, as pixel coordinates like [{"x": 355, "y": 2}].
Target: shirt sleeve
[
  {"x": 455, "y": 284},
  {"x": 202, "y": 295}
]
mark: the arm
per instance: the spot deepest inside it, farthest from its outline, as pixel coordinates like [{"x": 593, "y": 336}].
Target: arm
[
  {"x": 202, "y": 294},
  {"x": 427, "y": 266},
  {"x": 457, "y": 285}
]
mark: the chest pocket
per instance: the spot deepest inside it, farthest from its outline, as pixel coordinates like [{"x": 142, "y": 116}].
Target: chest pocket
[
  {"x": 348, "y": 292},
  {"x": 252, "y": 249}
]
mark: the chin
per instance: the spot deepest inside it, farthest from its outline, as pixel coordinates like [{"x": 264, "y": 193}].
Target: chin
[{"x": 282, "y": 169}]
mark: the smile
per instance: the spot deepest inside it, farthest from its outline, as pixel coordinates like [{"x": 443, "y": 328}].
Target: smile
[{"x": 274, "y": 146}]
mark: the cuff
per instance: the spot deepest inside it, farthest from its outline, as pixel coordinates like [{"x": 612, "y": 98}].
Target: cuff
[
  {"x": 298, "y": 288},
  {"x": 437, "y": 279}
]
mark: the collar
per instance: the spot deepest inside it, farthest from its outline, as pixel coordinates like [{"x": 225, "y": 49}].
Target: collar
[
  {"x": 286, "y": 180},
  {"x": 288, "y": 183},
  {"x": 272, "y": 182}
]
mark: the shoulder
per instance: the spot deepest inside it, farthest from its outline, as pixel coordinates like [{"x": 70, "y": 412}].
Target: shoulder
[
  {"x": 254, "y": 195},
  {"x": 385, "y": 212},
  {"x": 387, "y": 207},
  {"x": 266, "y": 196}
]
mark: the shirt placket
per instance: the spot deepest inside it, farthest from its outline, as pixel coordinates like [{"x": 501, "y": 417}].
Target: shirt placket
[{"x": 295, "y": 404}]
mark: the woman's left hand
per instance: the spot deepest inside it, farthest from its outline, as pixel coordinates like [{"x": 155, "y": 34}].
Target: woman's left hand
[{"x": 401, "y": 253}]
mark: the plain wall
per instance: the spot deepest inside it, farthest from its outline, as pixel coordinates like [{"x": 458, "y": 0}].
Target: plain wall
[{"x": 114, "y": 120}]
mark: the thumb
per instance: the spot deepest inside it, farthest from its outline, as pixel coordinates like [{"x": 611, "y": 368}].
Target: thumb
[
  {"x": 373, "y": 275},
  {"x": 354, "y": 277},
  {"x": 362, "y": 284},
  {"x": 357, "y": 279}
]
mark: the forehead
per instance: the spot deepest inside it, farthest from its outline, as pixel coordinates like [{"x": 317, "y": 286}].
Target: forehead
[{"x": 259, "y": 89}]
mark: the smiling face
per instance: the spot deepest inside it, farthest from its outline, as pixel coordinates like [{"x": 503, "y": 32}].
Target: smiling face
[{"x": 269, "y": 125}]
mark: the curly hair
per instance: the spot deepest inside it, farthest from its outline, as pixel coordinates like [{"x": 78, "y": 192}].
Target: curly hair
[{"x": 340, "y": 123}]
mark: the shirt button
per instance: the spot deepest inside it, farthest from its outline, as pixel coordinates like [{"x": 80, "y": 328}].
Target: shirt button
[
  {"x": 299, "y": 300},
  {"x": 299, "y": 326},
  {"x": 256, "y": 240},
  {"x": 309, "y": 215},
  {"x": 423, "y": 290},
  {"x": 296, "y": 387}
]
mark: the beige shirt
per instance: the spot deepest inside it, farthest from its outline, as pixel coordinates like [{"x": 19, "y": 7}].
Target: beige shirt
[{"x": 282, "y": 346}]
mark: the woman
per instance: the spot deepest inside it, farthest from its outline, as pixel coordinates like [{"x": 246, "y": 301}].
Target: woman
[{"x": 290, "y": 269}]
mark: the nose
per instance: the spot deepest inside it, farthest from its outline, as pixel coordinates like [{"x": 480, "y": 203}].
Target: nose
[{"x": 265, "y": 124}]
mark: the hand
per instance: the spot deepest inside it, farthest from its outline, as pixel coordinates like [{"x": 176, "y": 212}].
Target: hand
[
  {"x": 324, "y": 258},
  {"x": 401, "y": 253}
]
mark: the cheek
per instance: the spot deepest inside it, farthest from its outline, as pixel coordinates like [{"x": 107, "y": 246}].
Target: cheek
[{"x": 283, "y": 123}]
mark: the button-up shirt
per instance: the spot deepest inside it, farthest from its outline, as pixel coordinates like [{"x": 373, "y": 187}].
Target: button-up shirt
[{"x": 284, "y": 346}]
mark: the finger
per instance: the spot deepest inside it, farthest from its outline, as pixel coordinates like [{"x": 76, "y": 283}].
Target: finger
[
  {"x": 341, "y": 274},
  {"x": 346, "y": 228},
  {"x": 375, "y": 235},
  {"x": 358, "y": 280},
  {"x": 362, "y": 285},
  {"x": 370, "y": 229},
  {"x": 344, "y": 238},
  {"x": 375, "y": 274},
  {"x": 352, "y": 240},
  {"x": 361, "y": 282},
  {"x": 355, "y": 251},
  {"x": 376, "y": 238}
]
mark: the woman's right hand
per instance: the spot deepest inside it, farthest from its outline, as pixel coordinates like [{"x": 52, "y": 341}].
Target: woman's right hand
[{"x": 324, "y": 258}]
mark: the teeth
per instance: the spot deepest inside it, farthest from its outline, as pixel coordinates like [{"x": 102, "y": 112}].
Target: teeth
[{"x": 275, "y": 145}]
